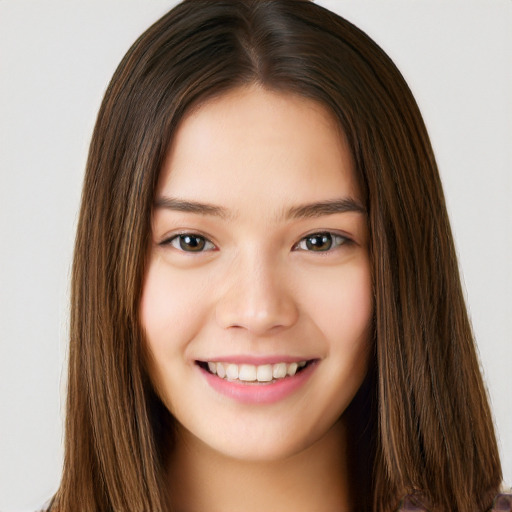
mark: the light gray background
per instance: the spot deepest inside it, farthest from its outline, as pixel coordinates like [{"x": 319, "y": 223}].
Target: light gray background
[{"x": 56, "y": 58}]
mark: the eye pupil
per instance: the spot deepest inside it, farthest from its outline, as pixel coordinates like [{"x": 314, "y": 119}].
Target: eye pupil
[
  {"x": 192, "y": 243},
  {"x": 320, "y": 242}
]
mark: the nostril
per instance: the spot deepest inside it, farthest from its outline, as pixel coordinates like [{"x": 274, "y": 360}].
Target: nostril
[
  {"x": 259, "y": 305},
  {"x": 258, "y": 321}
]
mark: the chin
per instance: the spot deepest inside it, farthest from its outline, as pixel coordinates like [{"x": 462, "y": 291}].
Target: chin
[{"x": 257, "y": 452}]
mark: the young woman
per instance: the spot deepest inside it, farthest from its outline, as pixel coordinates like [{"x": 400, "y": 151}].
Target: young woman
[{"x": 266, "y": 307}]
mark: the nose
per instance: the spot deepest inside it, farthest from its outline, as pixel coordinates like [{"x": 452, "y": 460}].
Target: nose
[{"x": 256, "y": 297}]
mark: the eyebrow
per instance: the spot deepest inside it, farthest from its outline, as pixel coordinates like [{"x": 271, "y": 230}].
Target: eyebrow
[
  {"x": 181, "y": 205},
  {"x": 343, "y": 205},
  {"x": 309, "y": 210}
]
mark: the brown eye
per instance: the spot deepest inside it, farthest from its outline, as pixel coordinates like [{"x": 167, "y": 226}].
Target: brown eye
[
  {"x": 191, "y": 243},
  {"x": 321, "y": 242}
]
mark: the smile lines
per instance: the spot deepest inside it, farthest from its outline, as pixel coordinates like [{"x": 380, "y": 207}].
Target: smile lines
[{"x": 253, "y": 373}]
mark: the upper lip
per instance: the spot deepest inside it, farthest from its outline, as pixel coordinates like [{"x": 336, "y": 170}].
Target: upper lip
[{"x": 257, "y": 360}]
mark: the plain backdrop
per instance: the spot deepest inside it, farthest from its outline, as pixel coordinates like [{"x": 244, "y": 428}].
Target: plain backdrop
[{"x": 56, "y": 58}]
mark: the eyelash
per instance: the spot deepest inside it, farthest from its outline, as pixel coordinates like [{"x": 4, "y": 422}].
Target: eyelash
[
  {"x": 335, "y": 239},
  {"x": 176, "y": 239}
]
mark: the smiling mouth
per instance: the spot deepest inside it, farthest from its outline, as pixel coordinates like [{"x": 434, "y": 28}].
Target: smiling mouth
[{"x": 249, "y": 373}]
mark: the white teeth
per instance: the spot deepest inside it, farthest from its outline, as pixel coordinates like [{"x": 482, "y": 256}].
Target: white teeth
[
  {"x": 264, "y": 373},
  {"x": 232, "y": 371},
  {"x": 292, "y": 369},
  {"x": 247, "y": 372},
  {"x": 221, "y": 370},
  {"x": 252, "y": 373},
  {"x": 279, "y": 370}
]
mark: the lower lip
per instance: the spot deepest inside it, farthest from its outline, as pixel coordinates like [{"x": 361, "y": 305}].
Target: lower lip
[{"x": 264, "y": 393}]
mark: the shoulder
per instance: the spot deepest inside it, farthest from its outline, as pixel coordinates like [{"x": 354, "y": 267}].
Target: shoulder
[{"x": 502, "y": 503}]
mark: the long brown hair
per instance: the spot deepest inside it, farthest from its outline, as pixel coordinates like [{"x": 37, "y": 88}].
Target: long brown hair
[{"x": 429, "y": 427}]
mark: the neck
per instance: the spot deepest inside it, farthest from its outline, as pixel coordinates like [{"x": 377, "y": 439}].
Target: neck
[{"x": 314, "y": 479}]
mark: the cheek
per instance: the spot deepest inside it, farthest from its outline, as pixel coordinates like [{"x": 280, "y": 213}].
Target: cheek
[
  {"x": 355, "y": 310},
  {"x": 341, "y": 305},
  {"x": 169, "y": 304},
  {"x": 346, "y": 325}
]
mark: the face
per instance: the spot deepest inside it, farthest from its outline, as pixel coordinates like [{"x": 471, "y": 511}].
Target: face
[{"x": 257, "y": 298}]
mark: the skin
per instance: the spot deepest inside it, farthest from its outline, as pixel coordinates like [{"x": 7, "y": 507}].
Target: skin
[{"x": 257, "y": 289}]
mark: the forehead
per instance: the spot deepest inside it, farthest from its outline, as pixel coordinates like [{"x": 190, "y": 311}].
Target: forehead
[{"x": 261, "y": 145}]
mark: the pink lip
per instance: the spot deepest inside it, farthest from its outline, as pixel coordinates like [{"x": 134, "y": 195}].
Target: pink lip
[
  {"x": 257, "y": 360},
  {"x": 259, "y": 393}
]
